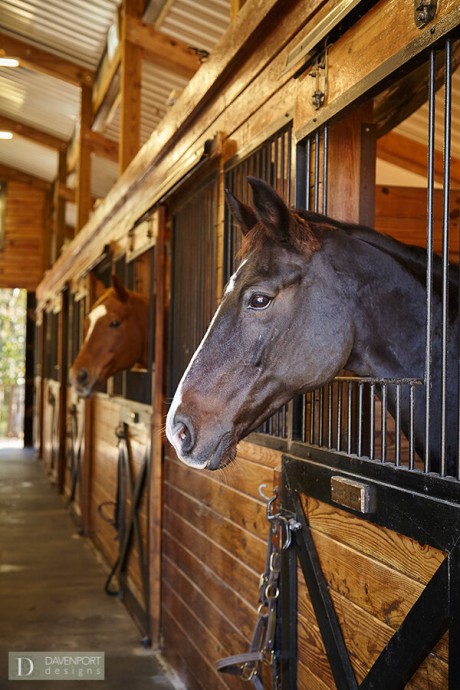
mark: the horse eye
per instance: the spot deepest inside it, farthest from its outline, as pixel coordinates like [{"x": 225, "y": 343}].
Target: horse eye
[
  {"x": 114, "y": 324},
  {"x": 259, "y": 301}
]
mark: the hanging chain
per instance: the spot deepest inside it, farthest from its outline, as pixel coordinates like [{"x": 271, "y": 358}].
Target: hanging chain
[{"x": 263, "y": 648}]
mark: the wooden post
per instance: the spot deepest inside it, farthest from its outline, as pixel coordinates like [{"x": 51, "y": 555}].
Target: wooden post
[
  {"x": 59, "y": 206},
  {"x": 156, "y": 475},
  {"x": 351, "y": 165},
  {"x": 130, "y": 88},
  {"x": 83, "y": 198},
  {"x": 351, "y": 192}
]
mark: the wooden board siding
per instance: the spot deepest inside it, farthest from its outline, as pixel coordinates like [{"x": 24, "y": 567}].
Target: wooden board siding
[
  {"x": 23, "y": 256},
  {"x": 214, "y": 542},
  {"x": 401, "y": 212},
  {"x": 106, "y": 416},
  {"x": 375, "y": 576}
]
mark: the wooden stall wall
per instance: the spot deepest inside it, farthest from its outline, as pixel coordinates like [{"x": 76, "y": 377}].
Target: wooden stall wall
[{"x": 24, "y": 254}]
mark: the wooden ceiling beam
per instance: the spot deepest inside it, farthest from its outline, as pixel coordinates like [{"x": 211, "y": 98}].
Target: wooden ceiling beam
[
  {"x": 101, "y": 145},
  {"x": 164, "y": 50},
  {"x": 411, "y": 155},
  {"x": 40, "y": 60},
  {"x": 10, "y": 174},
  {"x": 36, "y": 135}
]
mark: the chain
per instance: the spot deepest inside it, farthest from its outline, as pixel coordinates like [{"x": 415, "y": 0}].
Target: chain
[{"x": 263, "y": 651}]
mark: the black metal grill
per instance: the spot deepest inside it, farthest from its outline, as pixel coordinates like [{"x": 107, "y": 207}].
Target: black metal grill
[
  {"x": 270, "y": 161},
  {"x": 194, "y": 272},
  {"x": 351, "y": 415}
]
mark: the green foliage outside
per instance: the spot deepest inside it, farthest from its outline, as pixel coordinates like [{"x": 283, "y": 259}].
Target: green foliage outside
[{"x": 13, "y": 305}]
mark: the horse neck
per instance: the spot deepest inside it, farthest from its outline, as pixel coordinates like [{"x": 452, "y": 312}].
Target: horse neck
[{"x": 390, "y": 318}]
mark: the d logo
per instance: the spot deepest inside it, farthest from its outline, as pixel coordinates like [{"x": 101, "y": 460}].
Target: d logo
[{"x": 25, "y": 666}]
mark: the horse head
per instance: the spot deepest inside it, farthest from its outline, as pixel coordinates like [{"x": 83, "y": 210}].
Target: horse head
[
  {"x": 283, "y": 327},
  {"x": 116, "y": 333}
]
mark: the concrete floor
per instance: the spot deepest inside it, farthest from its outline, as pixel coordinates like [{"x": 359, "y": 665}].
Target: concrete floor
[{"x": 52, "y": 588}]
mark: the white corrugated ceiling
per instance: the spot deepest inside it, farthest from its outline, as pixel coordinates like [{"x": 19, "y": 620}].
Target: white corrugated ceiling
[{"x": 76, "y": 30}]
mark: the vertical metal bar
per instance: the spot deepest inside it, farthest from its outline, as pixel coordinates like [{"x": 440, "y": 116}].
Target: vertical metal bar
[
  {"x": 339, "y": 415},
  {"x": 398, "y": 426},
  {"x": 429, "y": 250},
  {"x": 325, "y": 168},
  {"x": 360, "y": 417},
  {"x": 349, "y": 416},
  {"x": 308, "y": 174},
  {"x": 411, "y": 426},
  {"x": 329, "y": 413},
  {"x": 445, "y": 252},
  {"x": 316, "y": 180},
  {"x": 383, "y": 430},
  {"x": 312, "y": 416},
  {"x": 372, "y": 421},
  {"x": 320, "y": 417}
]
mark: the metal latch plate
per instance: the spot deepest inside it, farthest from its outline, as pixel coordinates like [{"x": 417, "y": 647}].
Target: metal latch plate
[{"x": 352, "y": 494}]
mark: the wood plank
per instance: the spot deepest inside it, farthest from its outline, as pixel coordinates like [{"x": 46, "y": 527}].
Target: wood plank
[
  {"x": 21, "y": 261},
  {"x": 194, "y": 596},
  {"x": 100, "y": 145},
  {"x": 130, "y": 88},
  {"x": 10, "y": 173},
  {"x": 158, "y": 416},
  {"x": 186, "y": 658},
  {"x": 405, "y": 555},
  {"x": 234, "y": 607},
  {"x": 226, "y": 567},
  {"x": 227, "y": 534},
  {"x": 413, "y": 156},
  {"x": 365, "y": 637},
  {"x": 234, "y": 505},
  {"x": 40, "y": 60},
  {"x": 28, "y": 132},
  {"x": 164, "y": 50},
  {"x": 83, "y": 193}
]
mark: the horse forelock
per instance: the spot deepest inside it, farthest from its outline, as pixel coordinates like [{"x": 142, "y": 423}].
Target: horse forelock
[{"x": 301, "y": 235}]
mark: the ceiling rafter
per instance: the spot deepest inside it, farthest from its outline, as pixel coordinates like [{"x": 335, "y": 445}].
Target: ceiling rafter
[
  {"x": 10, "y": 174},
  {"x": 32, "y": 133},
  {"x": 411, "y": 155},
  {"x": 40, "y": 60},
  {"x": 162, "y": 49}
]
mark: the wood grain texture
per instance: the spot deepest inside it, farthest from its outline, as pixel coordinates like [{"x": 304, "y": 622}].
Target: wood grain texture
[
  {"x": 374, "y": 576},
  {"x": 22, "y": 259}
]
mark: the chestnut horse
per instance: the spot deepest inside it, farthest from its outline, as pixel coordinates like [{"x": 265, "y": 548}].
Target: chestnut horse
[
  {"x": 116, "y": 338},
  {"x": 311, "y": 297}
]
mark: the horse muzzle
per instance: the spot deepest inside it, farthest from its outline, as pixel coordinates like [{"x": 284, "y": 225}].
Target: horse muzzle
[{"x": 209, "y": 455}]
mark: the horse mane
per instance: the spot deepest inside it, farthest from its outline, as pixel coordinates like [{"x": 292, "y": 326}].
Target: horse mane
[
  {"x": 301, "y": 235},
  {"x": 308, "y": 228}
]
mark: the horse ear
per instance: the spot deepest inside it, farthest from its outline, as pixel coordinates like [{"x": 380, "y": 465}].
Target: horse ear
[
  {"x": 244, "y": 215},
  {"x": 99, "y": 289},
  {"x": 271, "y": 210},
  {"x": 120, "y": 290}
]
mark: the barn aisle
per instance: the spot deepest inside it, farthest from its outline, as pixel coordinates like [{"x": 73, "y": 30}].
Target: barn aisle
[{"x": 52, "y": 587}]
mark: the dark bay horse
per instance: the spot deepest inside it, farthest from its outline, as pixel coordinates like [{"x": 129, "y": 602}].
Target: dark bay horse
[
  {"x": 116, "y": 338},
  {"x": 312, "y": 296}
]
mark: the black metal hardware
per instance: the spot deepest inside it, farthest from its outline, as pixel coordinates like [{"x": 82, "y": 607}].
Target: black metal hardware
[{"x": 424, "y": 12}]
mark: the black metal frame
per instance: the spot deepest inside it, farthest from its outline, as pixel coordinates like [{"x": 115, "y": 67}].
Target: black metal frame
[
  {"x": 194, "y": 271},
  {"x": 408, "y": 500},
  {"x": 429, "y": 519},
  {"x": 132, "y": 384}
]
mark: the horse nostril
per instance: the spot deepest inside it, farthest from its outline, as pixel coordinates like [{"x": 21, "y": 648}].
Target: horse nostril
[
  {"x": 82, "y": 376},
  {"x": 184, "y": 436}
]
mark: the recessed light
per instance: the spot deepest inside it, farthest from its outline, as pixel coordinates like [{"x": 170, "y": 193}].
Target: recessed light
[
  {"x": 9, "y": 62},
  {"x": 6, "y": 135}
]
